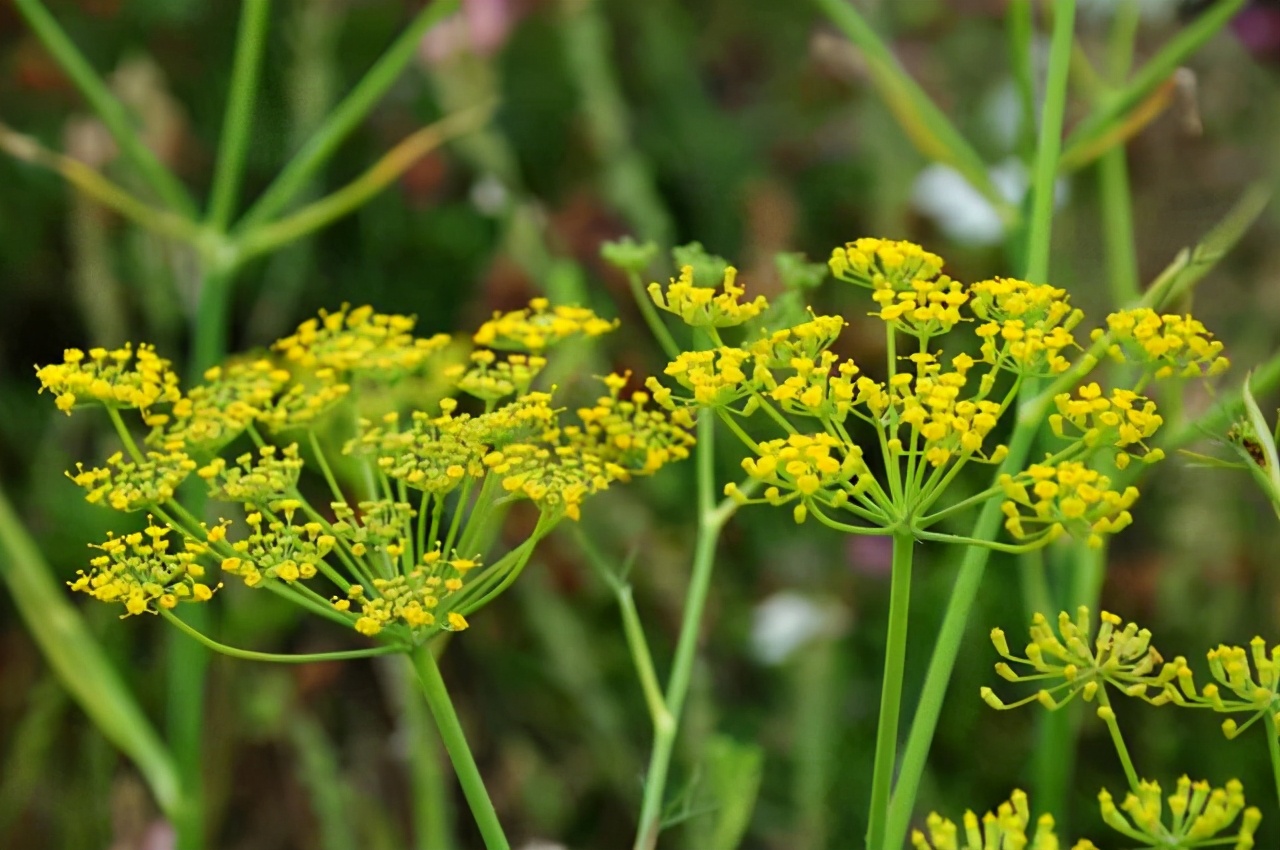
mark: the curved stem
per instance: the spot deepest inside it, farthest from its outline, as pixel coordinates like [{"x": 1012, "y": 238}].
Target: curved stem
[
  {"x": 891, "y": 692},
  {"x": 455, "y": 743},
  {"x": 279, "y": 658}
]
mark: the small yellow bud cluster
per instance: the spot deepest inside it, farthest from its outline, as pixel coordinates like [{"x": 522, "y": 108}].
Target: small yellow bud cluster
[
  {"x": 1003, "y": 829},
  {"x": 630, "y": 437},
  {"x": 1120, "y": 655},
  {"x": 379, "y": 524},
  {"x": 1025, "y": 326},
  {"x": 140, "y": 572},
  {"x": 929, "y": 307},
  {"x": 123, "y": 377},
  {"x": 884, "y": 264},
  {"x": 213, "y": 414},
  {"x": 1198, "y": 813},
  {"x": 278, "y": 549},
  {"x": 1125, "y": 420},
  {"x": 947, "y": 424},
  {"x": 491, "y": 379},
  {"x": 434, "y": 454},
  {"x": 806, "y": 340},
  {"x": 1257, "y": 690},
  {"x": 1064, "y": 497},
  {"x": 128, "y": 485},
  {"x": 1172, "y": 345},
  {"x": 359, "y": 341},
  {"x": 312, "y": 395},
  {"x": 555, "y": 478},
  {"x": 715, "y": 377},
  {"x": 418, "y": 599},
  {"x": 256, "y": 481},
  {"x": 703, "y": 306},
  {"x": 540, "y": 326},
  {"x": 808, "y": 469}
]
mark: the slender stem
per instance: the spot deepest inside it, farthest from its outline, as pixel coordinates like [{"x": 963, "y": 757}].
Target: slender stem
[
  {"x": 344, "y": 118},
  {"x": 1273, "y": 748},
  {"x": 711, "y": 520},
  {"x": 280, "y": 658},
  {"x": 122, "y": 431},
  {"x": 455, "y": 743},
  {"x": 325, "y": 469},
  {"x": 1050, "y": 145},
  {"x": 891, "y": 691},
  {"x": 652, "y": 318},
  {"x": 946, "y": 650},
  {"x": 1108, "y": 716},
  {"x": 104, "y": 103},
  {"x": 250, "y": 42}
]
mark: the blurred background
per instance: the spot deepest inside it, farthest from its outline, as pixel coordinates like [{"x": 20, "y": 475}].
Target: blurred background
[{"x": 753, "y": 128}]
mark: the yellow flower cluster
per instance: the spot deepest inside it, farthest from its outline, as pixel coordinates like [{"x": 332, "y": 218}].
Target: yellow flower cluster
[
  {"x": 490, "y": 379},
  {"x": 884, "y": 264},
  {"x": 435, "y": 454},
  {"x": 806, "y": 340},
  {"x": 1125, "y": 420},
  {"x": 378, "y": 525},
  {"x": 412, "y": 599},
  {"x": 1256, "y": 690},
  {"x": 213, "y": 414},
  {"x": 540, "y": 326},
  {"x": 1198, "y": 813},
  {"x": 273, "y": 475},
  {"x": 808, "y": 469},
  {"x": 278, "y": 549},
  {"x": 129, "y": 485},
  {"x": 703, "y": 306},
  {"x": 1067, "y": 496},
  {"x": 1120, "y": 655},
  {"x": 714, "y": 376},
  {"x": 122, "y": 377},
  {"x": 630, "y": 437},
  {"x": 312, "y": 395},
  {"x": 359, "y": 341},
  {"x": 1003, "y": 829},
  {"x": 140, "y": 572},
  {"x": 1025, "y": 326},
  {"x": 947, "y": 424},
  {"x": 929, "y": 307},
  {"x": 1172, "y": 345}
]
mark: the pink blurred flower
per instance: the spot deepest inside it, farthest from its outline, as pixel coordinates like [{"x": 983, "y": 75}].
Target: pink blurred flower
[{"x": 482, "y": 27}]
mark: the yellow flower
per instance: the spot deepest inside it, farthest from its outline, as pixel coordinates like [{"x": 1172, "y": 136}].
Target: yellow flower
[
  {"x": 213, "y": 414},
  {"x": 490, "y": 379},
  {"x": 540, "y": 326},
  {"x": 1065, "y": 497},
  {"x": 1125, "y": 420},
  {"x": 124, "y": 377},
  {"x": 128, "y": 485},
  {"x": 702, "y": 306},
  {"x": 1256, "y": 690},
  {"x": 418, "y": 600},
  {"x": 1003, "y": 829},
  {"x": 140, "y": 572},
  {"x": 884, "y": 264},
  {"x": 277, "y": 549},
  {"x": 1173, "y": 345},
  {"x": 716, "y": 377},
  {"x": 1025, "y": 326},
  {"x": 930, "y": 306},
  {"x": 312, "y": 395},
  {"x": 1197, "y": 814},
  {"x": 807, "y": 340},
  {"x": 808, "y": 469},
  {"x": 1120, "y": 656},
  {"x": 359, "y": 341},
  {"x": 254, "y": 481}
]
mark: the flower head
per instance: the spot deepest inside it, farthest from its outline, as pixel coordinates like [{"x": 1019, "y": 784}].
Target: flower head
[
  {"x": 213, "y": 414},
  {"x": 703, "y": 306},
  {"x": 716, "y": 377},
  {"x": 1172, "y": 345},
  {"x": 1003, "y": 829},
  {"x": 1125, "y": 421},
  {"x": 126, "y": 484},
  {"x": 273, "y": 474},
  {"x": 1024, "y": 327},
  {"x": 418, "y": 599},
  {"x": 491, "y": 379},
  {"x": 540, "y": 326},
  {"x": 140, "y": 571},
  {"x": 1067, "y": 496},
  {"x": 277, "y": 549},
  {"x": 122, "y": 377},
  {"x": 1256, "y": 689},
  {"x": 884, "y": 264},
  {"x": 809, "y": 469},
  {"x": 930, "y": 306},
  {"x": 1120, "y": 655},
  {"x": 359, "y": 341},
  {"x": 1197, "y": 815}
]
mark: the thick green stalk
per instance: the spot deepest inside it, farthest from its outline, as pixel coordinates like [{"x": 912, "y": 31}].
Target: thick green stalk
[
  {"x": 293, "y": 179},
  {"x": 895, "y": 659},
  {"x": 455, "y": 743},
  {"x": 250, "y": 42},
  {"x": 1050, "y": 145},
  {"x": 104, "y": 103},
  {"x": 1273, "y": 749},
  {"x": 80, "y": 664},
  {"x": 711, "y": 520}
]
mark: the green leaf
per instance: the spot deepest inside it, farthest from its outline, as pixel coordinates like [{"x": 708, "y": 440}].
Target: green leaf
[{"x": 731, "y": 777}]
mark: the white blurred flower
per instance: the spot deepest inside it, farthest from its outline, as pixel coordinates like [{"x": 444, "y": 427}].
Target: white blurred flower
[
  {"x": 787, "y": 620},
  {"x": 942, "y": 194}
]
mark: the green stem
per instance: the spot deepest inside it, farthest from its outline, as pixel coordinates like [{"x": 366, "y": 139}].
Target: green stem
[
  {"x": 279, "y": 658},
  {"x": 1108, "y": 716},
  {"x": 455, "y": 743},
  {"x": 947, "y": 648},
  {"x": 251, "y": 39},
  {"x": 350, "y": 112},
  {"x": 891, "y": 691},
  {"x": 1273, "y": 748},
  {"x": 325, "y": 469},
  {"x": 652, "y": 318},
  {"x": 1050, "y": 145},
  {"x": 210, "y": 330},
  {"x": 711, "y": 520},
  {"x": 104, "y": 103}
]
